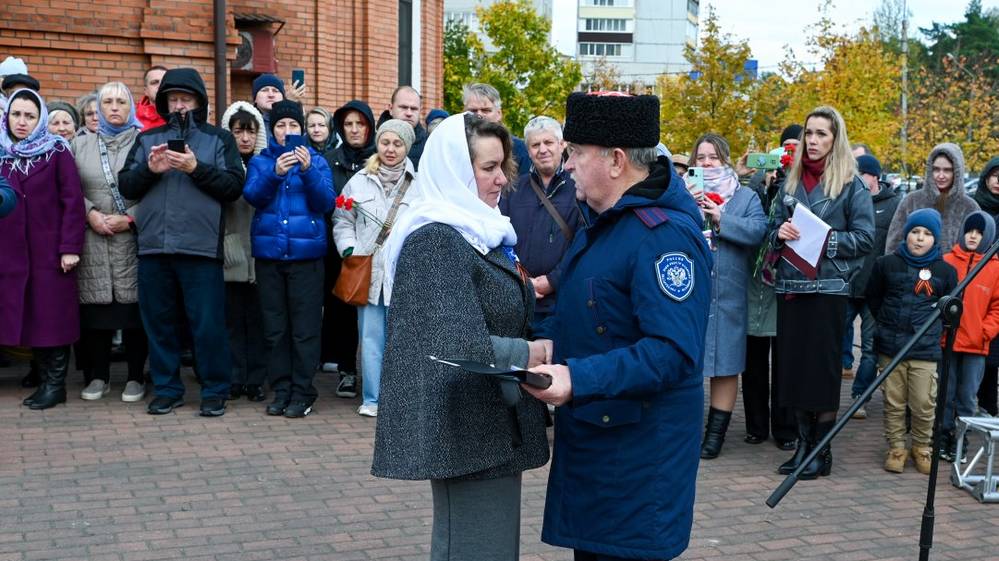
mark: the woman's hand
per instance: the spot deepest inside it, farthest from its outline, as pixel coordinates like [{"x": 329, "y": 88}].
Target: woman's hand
[
  {"x": 560, "y": 392},
  {"x": 116, "y": 223},
  {"x": 284, "y": 163},
  {"x": 302, "y": 154},
  {"x": 788, "y": 231},
  {"x": 69, "y": 261},
  {"x": 711, "y": 210},
  {"x": 540, "y": 352},
  {"x": 296, "y": 92},
  {"x": 97, "y": 221},
  {"x": 741, "y": 168}
]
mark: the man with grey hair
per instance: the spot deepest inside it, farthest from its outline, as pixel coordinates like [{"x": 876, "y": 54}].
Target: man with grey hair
[
  {"x": 484, "y": 101},
  {"x": 628, "y": 342},
  {"x": 543, "y": 211}
]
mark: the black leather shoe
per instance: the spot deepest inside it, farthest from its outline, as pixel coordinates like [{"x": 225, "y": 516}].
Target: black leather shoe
[
  {"x": 236, "y": 391},
  {"x": 278, "y": 406},
  {"x": 162, "y": 405},
  {"x": 786, "y": 445},
  {"x": 254, "y": 392},
  {"x": 297, "y": 409},
  {"x": 753, "y": 439},
  {"x": 53, "y": 366},
  {"x": 212, "y": 407}
]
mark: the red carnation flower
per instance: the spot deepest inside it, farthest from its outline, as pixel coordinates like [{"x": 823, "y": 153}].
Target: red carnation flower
[
  {"x": 339, "y": 201},
  {"x": 348, "y": 204},
  {"x": 715, "y": 198}
]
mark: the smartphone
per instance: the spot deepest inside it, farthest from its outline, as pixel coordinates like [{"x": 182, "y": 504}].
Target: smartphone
[
  {"x": 694, "y": 178},
  {"x": 297, "y": 77},
  {"x": 763, "y": 160},
  {"x": 176, "y": 145},
  {"x": 291, "y": 141}
]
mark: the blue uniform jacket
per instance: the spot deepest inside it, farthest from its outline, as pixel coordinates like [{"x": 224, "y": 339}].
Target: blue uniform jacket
[
  {"x": 289, "y": 223},
  {"x": 630, "y": 323}
]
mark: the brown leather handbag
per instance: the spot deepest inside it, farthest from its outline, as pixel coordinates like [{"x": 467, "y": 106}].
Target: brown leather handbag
[{"x": 355, "y": 274}]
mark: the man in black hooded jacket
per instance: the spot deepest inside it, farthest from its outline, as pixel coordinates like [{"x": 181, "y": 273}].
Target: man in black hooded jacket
[{"x": 179, "y": 221}]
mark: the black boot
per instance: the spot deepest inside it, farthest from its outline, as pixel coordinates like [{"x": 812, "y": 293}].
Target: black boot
[
  {"x": 805, "y": 421},
  {"x": 714, "y": 433},
  {"x": 54, "y": 362},
  {"x": 822, "y": 464},
  {"x": 33, "y": 378},
  {"x": 40, "y": 376}
]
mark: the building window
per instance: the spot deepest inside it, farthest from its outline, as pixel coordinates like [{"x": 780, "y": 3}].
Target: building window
[
  {"x": 691, "y": 32},
  {"x": 600, "y": 49},
  {"x": 693, "y": 7},
  {"x": 602, "y": 3},
  {"x": 405, "y": 42},
  {"x": 605, "y": 24}
]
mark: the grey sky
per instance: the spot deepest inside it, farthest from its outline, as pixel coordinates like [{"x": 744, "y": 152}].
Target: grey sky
[{"x": 768, "y": 26}]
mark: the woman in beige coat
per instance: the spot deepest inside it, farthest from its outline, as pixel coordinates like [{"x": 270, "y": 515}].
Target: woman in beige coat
[
  {"x": 386, "y": 177},
  {"x": 108, "y": 271}
]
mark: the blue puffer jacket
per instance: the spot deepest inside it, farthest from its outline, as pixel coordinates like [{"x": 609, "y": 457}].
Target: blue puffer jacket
[{"x": 289, "y": 223}]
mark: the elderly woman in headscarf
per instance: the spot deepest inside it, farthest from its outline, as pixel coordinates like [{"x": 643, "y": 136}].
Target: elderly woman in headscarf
[
  {"x": 378, "y": 197},
  {"x": 63, "y": 120},
  {"x": 109, "y": 275},
  {"x": 457, "y": 292},
  {"x": 40, "y": 244}
]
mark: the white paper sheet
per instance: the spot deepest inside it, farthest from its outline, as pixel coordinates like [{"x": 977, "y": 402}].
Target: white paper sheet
[{"x": 813, "y": 230}]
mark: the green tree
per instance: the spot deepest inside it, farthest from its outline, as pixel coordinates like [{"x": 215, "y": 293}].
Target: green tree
[
  {"x": 716, "y": 96},
  {"x": 975, "y": 40},
  {"x": 457, "y": 63},
  {"x": 531, "y": 76}
]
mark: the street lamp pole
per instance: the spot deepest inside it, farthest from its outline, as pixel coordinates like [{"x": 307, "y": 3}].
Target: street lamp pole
[{"x": 905, "y": 88}]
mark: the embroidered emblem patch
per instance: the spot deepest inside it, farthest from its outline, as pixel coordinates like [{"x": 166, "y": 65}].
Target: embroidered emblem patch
[{"x": 675, "y": 272}]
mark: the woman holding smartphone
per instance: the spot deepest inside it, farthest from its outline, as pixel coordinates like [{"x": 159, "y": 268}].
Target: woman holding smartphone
[{"x": 291, "y": 187}]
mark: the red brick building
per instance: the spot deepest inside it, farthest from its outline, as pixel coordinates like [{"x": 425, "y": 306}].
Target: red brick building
[{"x": 348, "y": 48}]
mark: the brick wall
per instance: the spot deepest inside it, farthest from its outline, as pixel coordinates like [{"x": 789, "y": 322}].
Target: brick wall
[{"x": 348, "y": 48}]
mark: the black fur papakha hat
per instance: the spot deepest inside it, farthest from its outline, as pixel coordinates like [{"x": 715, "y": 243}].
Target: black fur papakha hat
[{"x": 612, "y": 119}]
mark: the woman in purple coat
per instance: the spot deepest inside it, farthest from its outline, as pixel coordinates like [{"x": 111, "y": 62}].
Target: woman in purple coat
[{"x": 40, "y": 244}]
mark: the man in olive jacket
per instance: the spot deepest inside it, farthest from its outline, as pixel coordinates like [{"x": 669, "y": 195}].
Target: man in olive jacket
[{"x": 180, "y": 229}]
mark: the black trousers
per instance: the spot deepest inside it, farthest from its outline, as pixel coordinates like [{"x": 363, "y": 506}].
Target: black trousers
[
  {"x": 291, "y": 296},
  {"x": 578, "y": 555},
  {"x": 339, "y": 331},
  {"x": 245, "y": 323},
  {"x": 988, "y": 392},
  {"x": 95, "y": 345},
  {"x": 759, "y": 396}
]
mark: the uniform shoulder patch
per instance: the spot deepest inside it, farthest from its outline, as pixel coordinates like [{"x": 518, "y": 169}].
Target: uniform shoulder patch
[
  {"x": 675, "y": 273},
  {"x": 651, "y": 216}
]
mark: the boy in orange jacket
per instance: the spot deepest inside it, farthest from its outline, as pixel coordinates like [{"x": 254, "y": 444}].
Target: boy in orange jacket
[{"x": 979, "y": 324}]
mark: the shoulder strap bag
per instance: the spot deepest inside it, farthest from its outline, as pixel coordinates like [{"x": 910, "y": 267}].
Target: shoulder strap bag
[{"x": 566, "y": 230}]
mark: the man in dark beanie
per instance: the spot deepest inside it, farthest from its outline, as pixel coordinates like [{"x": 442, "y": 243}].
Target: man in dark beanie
[
  {"x": 628, "y": 333},
  {"x": 268, "y": 89},
  {"x": 181, "y": 191}
]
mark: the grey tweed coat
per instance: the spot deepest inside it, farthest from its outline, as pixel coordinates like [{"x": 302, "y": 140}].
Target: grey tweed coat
[{"x": 440, "y": 422}]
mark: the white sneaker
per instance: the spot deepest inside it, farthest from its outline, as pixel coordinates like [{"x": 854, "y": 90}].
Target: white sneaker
[
  {"x": 134, "y": 391},
  {"x": 329, "y": 367},
  {"x": 368, "y": 410},
  {"x": 95, "y": 390}
]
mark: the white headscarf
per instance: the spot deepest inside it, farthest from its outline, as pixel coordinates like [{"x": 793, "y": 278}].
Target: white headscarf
[{"x": 445, "y": 191}]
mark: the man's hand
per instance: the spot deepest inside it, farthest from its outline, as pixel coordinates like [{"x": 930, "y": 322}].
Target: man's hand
[
  {"x": 98, "y": 223},
  {"x": 560, "y": 392},
  {"x": 68, "y": 261},
  {"x": 296, "y": 92},
  {"x": 182, "y": 161},
  {"x": 157, "y": 160},
  {"x": 284, "y": 163},
  {"x": 540, "y": 352},
  {"x": 116, "y": 223},
  {"x": 542, "y": 287}
]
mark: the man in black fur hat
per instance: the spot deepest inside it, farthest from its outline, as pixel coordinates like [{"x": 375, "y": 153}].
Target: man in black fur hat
[{"x": 628, "y": 333}]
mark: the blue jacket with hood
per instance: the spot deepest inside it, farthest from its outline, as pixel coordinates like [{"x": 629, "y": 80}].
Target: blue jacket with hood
[
  {"x": 289, "y": 224},
  {"x": 630, "y": 323}
]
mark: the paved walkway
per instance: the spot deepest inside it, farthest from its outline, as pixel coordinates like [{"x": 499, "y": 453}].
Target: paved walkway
[{"x": 104, "y": 481}]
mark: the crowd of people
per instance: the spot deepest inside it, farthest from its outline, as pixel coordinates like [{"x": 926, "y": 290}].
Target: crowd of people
[{"x": 287, "y": 242}]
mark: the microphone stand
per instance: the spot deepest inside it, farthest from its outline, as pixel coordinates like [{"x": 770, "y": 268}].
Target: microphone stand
[{"x": 949, "y": 308}]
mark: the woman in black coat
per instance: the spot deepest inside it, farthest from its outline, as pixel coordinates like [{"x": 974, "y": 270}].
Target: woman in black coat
[{"x": 458, "y": 292}]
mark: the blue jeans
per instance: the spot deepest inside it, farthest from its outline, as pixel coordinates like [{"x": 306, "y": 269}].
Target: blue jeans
[
  {"x": 371, "y": 326},
  {"x": 868, "y": 368},
  {"x": 966, "y": 371},
  {"x": 175, "y": 287}
]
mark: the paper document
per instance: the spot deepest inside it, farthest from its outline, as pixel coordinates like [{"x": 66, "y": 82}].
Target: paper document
[{"x": 809, "y": 246}]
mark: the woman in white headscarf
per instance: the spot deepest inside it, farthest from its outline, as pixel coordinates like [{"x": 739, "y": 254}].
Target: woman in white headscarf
[{"x": 458, "y": 292}]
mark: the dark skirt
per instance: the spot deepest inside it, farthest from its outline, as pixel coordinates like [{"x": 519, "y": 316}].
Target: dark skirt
[
  {"x": 111, "y": 316},
  {"x": 810, "y": 331}
]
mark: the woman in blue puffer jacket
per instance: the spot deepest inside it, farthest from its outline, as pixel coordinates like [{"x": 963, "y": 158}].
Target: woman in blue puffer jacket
[{"x": 291, "y": 187}]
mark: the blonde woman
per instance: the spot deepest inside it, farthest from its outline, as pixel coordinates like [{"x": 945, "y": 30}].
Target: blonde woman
[
  {"x": 382, "y": 184},
  {"x": 811, "y": 304}
]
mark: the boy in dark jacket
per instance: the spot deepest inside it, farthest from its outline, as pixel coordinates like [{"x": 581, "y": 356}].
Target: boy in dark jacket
[{"x": 902, "y": 291}]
